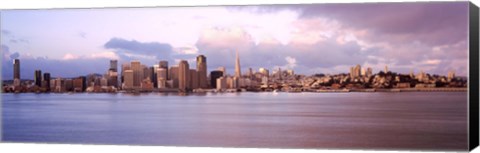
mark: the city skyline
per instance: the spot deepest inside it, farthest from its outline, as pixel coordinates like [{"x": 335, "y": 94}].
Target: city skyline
[
  {"x": 353, "y": 71},
  {"x": 319, "y": 38},
  {"x": 183, "y": 78}
]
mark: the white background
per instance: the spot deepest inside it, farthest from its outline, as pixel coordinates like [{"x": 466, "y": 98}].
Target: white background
[{"x": 53, "y": 148}]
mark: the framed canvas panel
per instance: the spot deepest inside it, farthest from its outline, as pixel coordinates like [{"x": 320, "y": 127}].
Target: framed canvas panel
[{"x": 361, "y": 76}]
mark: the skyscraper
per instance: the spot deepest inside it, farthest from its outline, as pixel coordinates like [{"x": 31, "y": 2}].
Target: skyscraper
[
  {"x": 153, "y": 76},
  {"x": 174, "y": 76},
  {"x": 78, "y": 84},
  {"x": 352, "y": 72},
  {"x": 16, "y": 69},
  {"x": 69, "y": 84},
  {"x": 137, "y": 73},
  {"x": 146, "y": 72},
  {"x": 114, "y": 65},
  {"x": 221, "y": 83},
  {"x": 214, "y": 75},
  {"x": 162, "y": 73},
  {"x": 46, "y": 79},
  {"x": 164, "y": 64},
  {"x": 238, "y": 72},
  {"x": 183, "y": 76},
  {"x": 128, "y": 79},
  {"x": 112, "y": 78},
  {"x": 358, "y": 70},
  {"x": 355, "y": 71},
  {"x": 194, "y": 84},
  {"x": 161, "y": 77},
  {"x": 125, "y": 66},
  {"x": 38, "y": 78},
  {"x": 202, "y": 71}
]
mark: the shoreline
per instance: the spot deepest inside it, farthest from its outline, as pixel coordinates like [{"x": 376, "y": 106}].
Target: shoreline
[{"x": 274, "y": 91}]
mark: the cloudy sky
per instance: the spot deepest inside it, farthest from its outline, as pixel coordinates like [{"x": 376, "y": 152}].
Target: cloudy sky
[{"x": 321, "y": 38}]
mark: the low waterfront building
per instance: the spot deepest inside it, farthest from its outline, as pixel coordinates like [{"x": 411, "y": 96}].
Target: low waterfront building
[{"x": 221, "y": 84}]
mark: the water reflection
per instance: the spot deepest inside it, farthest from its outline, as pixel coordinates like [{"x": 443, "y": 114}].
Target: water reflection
[{"x": 284, "y": 120}]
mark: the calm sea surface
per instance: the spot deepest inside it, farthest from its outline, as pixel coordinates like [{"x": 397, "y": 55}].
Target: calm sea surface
[{"x": 406, "y": 120}]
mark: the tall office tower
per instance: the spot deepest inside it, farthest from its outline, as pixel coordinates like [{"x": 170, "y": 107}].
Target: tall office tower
[
  {"x": 194, "y": 79},
  {"x": 46, "y": 79},
  {"x": 162, "y": 73},
  {"x": 146, "y": 72},
  {"x": 183, "y": 76},
  {"x": 357, "y": 70},
  {"x": 221, "y": 83},
  {"x": 128, "y": 79},
  {"x": 114, "y": 65},
  {"x": 69, "y": 85},
  {"x": 161, "y": 77},
  {"x": 59, "y": 85},
  {"x": 52, "y": 85},
  {"x": 238, "y": 73},
  {"x": 364, "y": 72},
  {"x": 125, "y": 66},
  {"x": 352, "y": 72},
  {"x": 202, "y": 71},
  {"x": 112, "y": 78},
  {"x": 224, "y": 71},
  {"x": 16, "y": 69},
  {"x": 214, "y": 75},
  {"x": 164, "y": 64},
  {"x": 137, "y": 73},
  {"x": 369, "y": 72},
  {"x": 153, "y": 76},
  {"x": 84, "y": 81},
  {"x": 173, "y": 75},
  {"x": 162, "y": 83},
  {"x": 235, "y": 82},
  {"x": 38, "y": 78},
  {"x": 229, "y": 80},
  {"x": 78, "y": 84}
]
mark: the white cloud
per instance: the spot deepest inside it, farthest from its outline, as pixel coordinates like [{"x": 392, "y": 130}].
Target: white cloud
[
  {"x": 189, "y": 50},
  {"x": 70, "y": 56},
  {"x": 105, "y": 55},
  {"x": 108, "y": 55}
]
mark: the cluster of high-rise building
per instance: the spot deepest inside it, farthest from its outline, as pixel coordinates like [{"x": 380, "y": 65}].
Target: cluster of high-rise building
[
  {"x": 182, "y": 77},
  {"x": 135, "y": 76}
]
